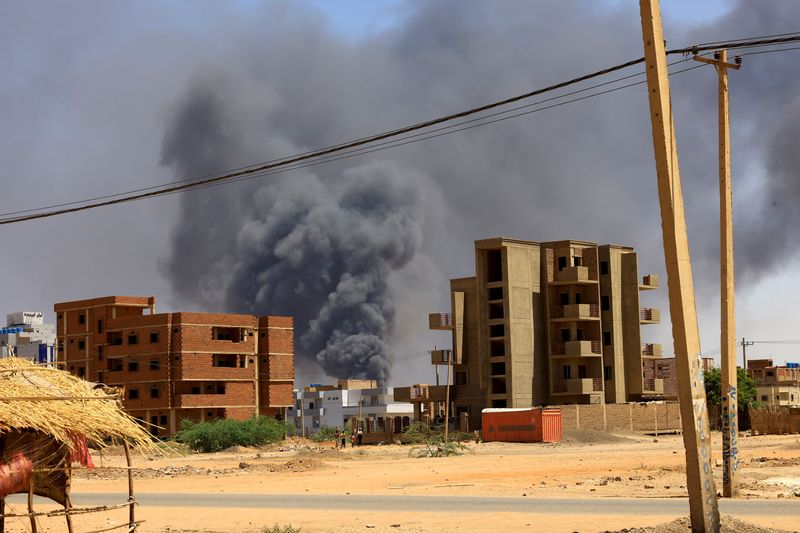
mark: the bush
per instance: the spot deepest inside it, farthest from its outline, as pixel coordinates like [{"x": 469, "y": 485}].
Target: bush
[
  {"x": 221, "y": 434},
  {"x": 428, "y": 442},
  {"x": 324, "y": 434}
]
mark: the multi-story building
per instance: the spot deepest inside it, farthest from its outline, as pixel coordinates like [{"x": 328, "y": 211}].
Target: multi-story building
[
  {"x": 549, "y": 323},
  {"x": 175, "y": 366},
  {"x": 776, "y": 386},
  {"x": 27, "y": 336},
  {"x": 335, "y": 405}
]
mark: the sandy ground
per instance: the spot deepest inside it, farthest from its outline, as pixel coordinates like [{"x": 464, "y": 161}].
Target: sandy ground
[{"x": 589, "y": 465}]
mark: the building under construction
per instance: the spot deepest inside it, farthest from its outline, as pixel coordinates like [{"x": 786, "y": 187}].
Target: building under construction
[
  {"x": 175, "y": 366},
  {"x": 549, "y": 323}
]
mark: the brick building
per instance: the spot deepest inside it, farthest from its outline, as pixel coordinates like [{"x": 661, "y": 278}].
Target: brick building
[
  {"x": 175, "y": 366},
  {"x": 549, "y": 323}
]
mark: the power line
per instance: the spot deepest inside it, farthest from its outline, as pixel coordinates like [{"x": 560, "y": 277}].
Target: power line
[{"x": 174, "y": 187}]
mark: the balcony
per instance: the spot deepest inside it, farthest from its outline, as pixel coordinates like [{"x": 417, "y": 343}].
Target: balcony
[
  {"x": 421, "y": 393},
  {"x": 440, "y": 321},
  {"x": 442, "y": 357},
  {"x": 573, "y": 312},
  {"x": 649, "y": 315},
  {"x": 578, "y": 386},
  {"x": 652, "y": 386},
  {"x": 576, "y": 349},
  {"x": 649, "y": 282},
  {"x": 573, "y": 274},
  {"x": 651, "y": 351}
]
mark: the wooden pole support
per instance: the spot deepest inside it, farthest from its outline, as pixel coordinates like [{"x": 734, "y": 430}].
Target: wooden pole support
[
  {"x": 131, "y": 499},
  {"x": 691, "y": 392}
]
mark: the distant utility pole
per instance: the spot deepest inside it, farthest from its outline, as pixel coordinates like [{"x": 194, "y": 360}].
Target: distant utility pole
[
  {"x": 745, "y": 344},
  {"x": 730, "y": 424},
  {"x": 703, "y": 509}
]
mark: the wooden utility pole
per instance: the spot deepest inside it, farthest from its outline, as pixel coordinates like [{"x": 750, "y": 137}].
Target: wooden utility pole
[
  {"x": 447, "y": 398},
  {"x": 691, "y": 392},
  {"x": 730, "y": 424}
]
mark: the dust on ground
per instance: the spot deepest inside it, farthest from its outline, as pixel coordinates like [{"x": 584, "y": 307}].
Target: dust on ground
[{"x": 728, "y": 524}]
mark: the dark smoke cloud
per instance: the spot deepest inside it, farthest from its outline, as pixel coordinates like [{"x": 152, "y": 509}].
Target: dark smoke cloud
[
  {"x": 321, "y": 252},
  {"x": 329, "y": 244}
]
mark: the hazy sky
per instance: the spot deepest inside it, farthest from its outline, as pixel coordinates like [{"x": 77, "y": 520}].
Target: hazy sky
[{"x": 98, "y": 97}]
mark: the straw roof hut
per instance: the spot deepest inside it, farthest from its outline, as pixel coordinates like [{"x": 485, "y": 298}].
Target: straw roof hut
[{"x": 47, "y": 419}]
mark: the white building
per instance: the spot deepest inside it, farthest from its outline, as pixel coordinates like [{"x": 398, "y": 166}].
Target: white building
[
  {"x": 326, "y": 406},
  {"x": 26, "y": 335}
]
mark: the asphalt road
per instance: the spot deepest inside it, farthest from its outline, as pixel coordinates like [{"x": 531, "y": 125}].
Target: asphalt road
[{"x": 455, "y": 504}]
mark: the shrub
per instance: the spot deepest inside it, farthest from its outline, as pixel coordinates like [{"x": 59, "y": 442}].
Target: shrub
[
  {"x": 221, "y": 434},
  {"x": 428, "y": 442},
  {"x": 325, "y": 433}
]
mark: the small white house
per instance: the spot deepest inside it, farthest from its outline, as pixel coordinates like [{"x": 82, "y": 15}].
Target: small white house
[
  {"x": 27, "y": 336},
  {"x": 325, "y": 406}
]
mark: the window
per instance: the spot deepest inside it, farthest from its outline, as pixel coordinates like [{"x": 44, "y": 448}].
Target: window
[
  {"x": 154, "y": 392},
  {"x": 133, "y": 338},
  {"x": 114, "y": 365},
  {"x": 226, "y": 334},
  {"x": 133, "y": 366},
  {"x": 153, "y": 338},
  {"x": 59, "y": 316},
  {"x": 562, "y": 263},
  {"x": 770, "y": 373},
  {"x": 565, "y": 335},
  {"x": 607, "y": 338},
  {"x": 81, "y": 345},
  {"x": 494, "y": 265},
  {"x": 497, "y": 330},
  {"x": 224, "y": 360},
  {"x": 100, "y": 352},
  {"x": 163, "y": 420},
  {"x": 81, "y": 319},
  {"x": 577, "y": 261},
  {"x": 114, "y": 339},
  {"x": 564, "y": 298},
  {"x": 310, "y": 405},
  {"x": 99, "y": 326},
  {"x": 498, "y": 369},
  {"x": 604, "y": 268},
  {"x": 607, "y": 373},
  {"x": 764, "y": 398},
  {"x": 496, "y": 293},
  {"x": 154, "y": 364},
  {"x": 194, "y": 390},
  {"x": 578, "y": 298},
  {"x": 579, "y": 334},
  {"x": 496, "y": 310},
  {"x": 605, "y": 305},
  {"x": 81, "y": 372},
  {"x": 567, "y": 371},
  {"x": 461, "y": 377},
  {"x": 497, "y": 348},
  {"x": 133, "y": 394}
]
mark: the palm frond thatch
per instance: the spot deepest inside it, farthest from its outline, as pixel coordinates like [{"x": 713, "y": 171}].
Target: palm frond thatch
[{"x": 61, "y": 405}]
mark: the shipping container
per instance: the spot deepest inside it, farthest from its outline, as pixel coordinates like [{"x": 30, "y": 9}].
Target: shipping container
[{"x": 530, "y": 424}]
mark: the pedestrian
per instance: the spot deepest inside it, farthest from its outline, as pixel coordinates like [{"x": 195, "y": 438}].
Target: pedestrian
[
  {"x": 342, "y": 435},
  {"x": 353, "y": 439},
  {"x": 360, "y": 436},
  {"x": 336, "y": 439}
]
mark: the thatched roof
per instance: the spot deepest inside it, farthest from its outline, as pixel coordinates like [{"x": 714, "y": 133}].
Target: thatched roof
[{"x": 61, "y": 405}]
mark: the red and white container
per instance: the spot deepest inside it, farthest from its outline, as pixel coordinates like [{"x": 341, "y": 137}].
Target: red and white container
[{"x": 530, "y": 424}]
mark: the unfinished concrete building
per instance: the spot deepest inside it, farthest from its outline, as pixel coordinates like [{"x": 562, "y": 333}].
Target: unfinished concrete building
[
  {"x": 549, "y": 323},
  {"x": 175, "y": 366}
]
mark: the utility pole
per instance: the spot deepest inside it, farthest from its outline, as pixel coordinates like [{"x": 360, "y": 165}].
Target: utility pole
[
  {"x": 745, "y": 344},
  {"x": 703, "y": 509},
  {"x": 447, "y": 398},
  {"x": 730, "y": 424}
]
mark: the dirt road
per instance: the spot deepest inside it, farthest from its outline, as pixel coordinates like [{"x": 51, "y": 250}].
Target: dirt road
[{"x": 591, "y": 483}]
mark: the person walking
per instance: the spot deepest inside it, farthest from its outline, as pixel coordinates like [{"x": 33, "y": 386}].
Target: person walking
[
  {"x": 343, "y": 437},
  {"x": 360, "y": 436},
  {"x": 336, "y": 439}
]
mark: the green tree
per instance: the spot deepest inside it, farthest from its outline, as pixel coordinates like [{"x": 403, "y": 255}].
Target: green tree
[{"x": 745, "y": 388}]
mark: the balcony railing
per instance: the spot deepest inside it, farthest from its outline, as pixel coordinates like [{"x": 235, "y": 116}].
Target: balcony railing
[
  {"x": 651, "y": 350},
  {"x": 576, "y": 348},
  {"x": 576, "y": 312},
  {"x": 649, "y": 282},
  {"x": 653, "y": 385},
  {"x": 578, "y": 386},
  {"x": 440, "y": 321},
  {"x": 441, "y": 357},
  {"x": 573, "y": 274},
  {"x": 649, "y": 314}
]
